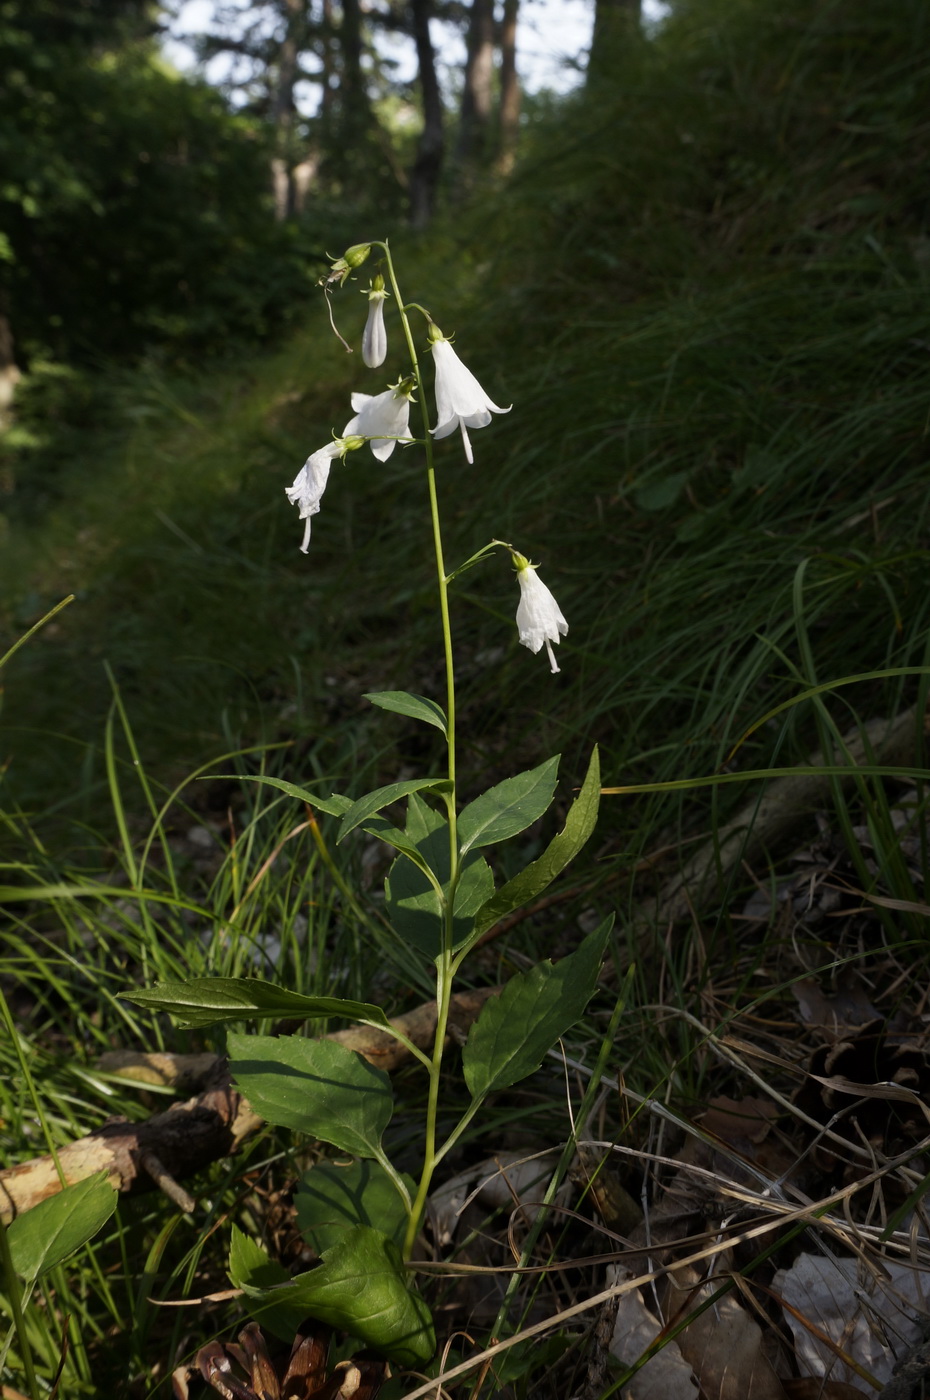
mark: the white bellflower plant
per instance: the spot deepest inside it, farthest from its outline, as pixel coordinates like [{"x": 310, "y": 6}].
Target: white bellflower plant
[
  {"x": 383, "y": 418},
  {"x": 374, "y": 337},
  {"x": 310, "y": 482},
  {"x": 460, "y": 400},
  {"x": 539, "y": 618}
]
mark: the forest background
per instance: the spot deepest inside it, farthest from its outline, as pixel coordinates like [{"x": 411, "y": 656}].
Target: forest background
[{"x": 700, "y": 276}]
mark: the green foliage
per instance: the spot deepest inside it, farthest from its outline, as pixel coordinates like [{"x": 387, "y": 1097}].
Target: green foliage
[
  {"x": 508, "y": 808},
  {"x": 134, "y": 206},
  {"x": 210, "y": 1001},
  {"x": 337, "y": 1196},
  {"x": 314, "y": 1086},
  {"x": 54, "y": 1229},
  {"x": 516, "y": 1029},
  {"x": 361, "y": 1276}
]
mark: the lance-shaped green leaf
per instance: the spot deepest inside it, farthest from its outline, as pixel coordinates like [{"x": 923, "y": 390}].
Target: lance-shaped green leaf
[
  {"x": 314, "y": 1086},
  {"x": 508, "y": 807},
  {"x": 401, "y": 702},
  {"x": 360, "y": 1287},
  {"x": 579, "y": 825},
  {"x": 208, "y": 1001},
  {"x": 374, "y": 801},
  {"x": 336, "y": 1196},
  {"x": 511, "y": 1036},
  {"x": 45, "y": 1235},
  {"x": 334, "y": 805}
]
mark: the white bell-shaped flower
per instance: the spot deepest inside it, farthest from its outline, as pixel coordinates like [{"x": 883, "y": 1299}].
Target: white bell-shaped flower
[
  {"x": 374, "y": 337},
  {"x": 309, "y": 485},
  {"x": 383, "y": 418},
  {"x": 310, "y": 482},
  {"x": 460, "y": 400},
  {"x": 539, "y": 619}
]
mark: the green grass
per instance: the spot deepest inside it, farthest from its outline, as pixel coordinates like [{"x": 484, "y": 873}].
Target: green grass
[{"x": 705, "y": 294}]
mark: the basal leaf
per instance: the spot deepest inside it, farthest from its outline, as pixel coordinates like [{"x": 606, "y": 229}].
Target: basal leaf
[
  {"x": 511, "y": 1036},
  {"x": 374, "y": 801},
  {"x": 509, "y": 807},
  {"x": 401, "y": 702},
  {"x": 45, "y": 1235},
  {"x": 208, "y": 1001},
  {"x": 334, "y": 1197},
  {"x": 314, "y": 1086},
  {"x": 361, "y": 1287},
  {"x": 579, "y": 825}
]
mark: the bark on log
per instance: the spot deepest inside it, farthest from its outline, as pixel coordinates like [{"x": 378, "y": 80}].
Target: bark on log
[
  {"x": 189, "y": 1136},
  {"x": 763, "y": 821}
]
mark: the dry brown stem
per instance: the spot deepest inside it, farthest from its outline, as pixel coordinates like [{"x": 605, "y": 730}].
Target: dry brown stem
[
  {"x": 763, "y": 821},
  {"x": 189, "y": 1136}
]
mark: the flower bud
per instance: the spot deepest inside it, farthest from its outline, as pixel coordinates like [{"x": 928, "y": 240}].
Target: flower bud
[{"x": 374, "y": 339}]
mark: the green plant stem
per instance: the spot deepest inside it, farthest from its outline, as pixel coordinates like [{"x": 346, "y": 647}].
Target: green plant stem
[
  {"x": 444, "y": 972},
  {"x": 12, "y": 1290}
]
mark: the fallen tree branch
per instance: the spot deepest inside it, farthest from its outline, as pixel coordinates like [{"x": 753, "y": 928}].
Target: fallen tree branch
[
  {"x": 189, "y": 1136},
  {"x": 763, "y": 821}
]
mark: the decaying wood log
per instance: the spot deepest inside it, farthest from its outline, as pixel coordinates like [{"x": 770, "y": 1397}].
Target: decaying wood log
[
  {"x": 189, "y": 1136},
  {"x": 763, "y": 821}
]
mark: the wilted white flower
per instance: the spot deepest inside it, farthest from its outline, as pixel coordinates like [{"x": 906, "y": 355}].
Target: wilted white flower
[
  {"x": 460, "y": 400},
  {"x": 310, "y": 481},
  {"x": 309, "y": 485},
  {"x": 374, "y": 337},
  {"x": 539, "y": 619},
  {"x": 382, "y": 418}
]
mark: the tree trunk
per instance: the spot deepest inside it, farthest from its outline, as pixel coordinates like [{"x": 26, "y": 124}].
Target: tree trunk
[
  {"x": 283, "y": 111},
  {"x": 475, "y": 121},
  {"x": 510, "y": 90},
  {"x": 616, "y": 23},
  {"x": 427, "y": 167}
]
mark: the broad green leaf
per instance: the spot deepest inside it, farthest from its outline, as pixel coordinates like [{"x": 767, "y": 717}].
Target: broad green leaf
[
  {"x": 207, "y": 1001},
  {"x": 252, "y": 1270},
  {"x": 401, "y": 702},
  {"x": 511, "y": 1036},
  {"x": 314, "y": 1086},
  {"x": 250, "y": 1266},
  {"x": 579, "y": 825},
  {"x": 361, "y": 1287},
  {"x": 373, "y": 801},
  {"x": 45, "y": 1235},
  {"x": 333, "y": 1197},
  {"x": 335, "y": 805},
  {"x": 412, "y": 902},
  {"x": 509, "y": 807}
]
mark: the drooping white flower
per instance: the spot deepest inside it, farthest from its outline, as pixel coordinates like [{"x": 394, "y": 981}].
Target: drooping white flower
[
  {"x": 310, "y": 482},
  {"x": 539, "y": 619},
  {"x": 460, "y": 400},
  {"x": 309, "y": 485},
  {"x": 374, "y": 337},
  {"x": 382, "y": 418}
]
